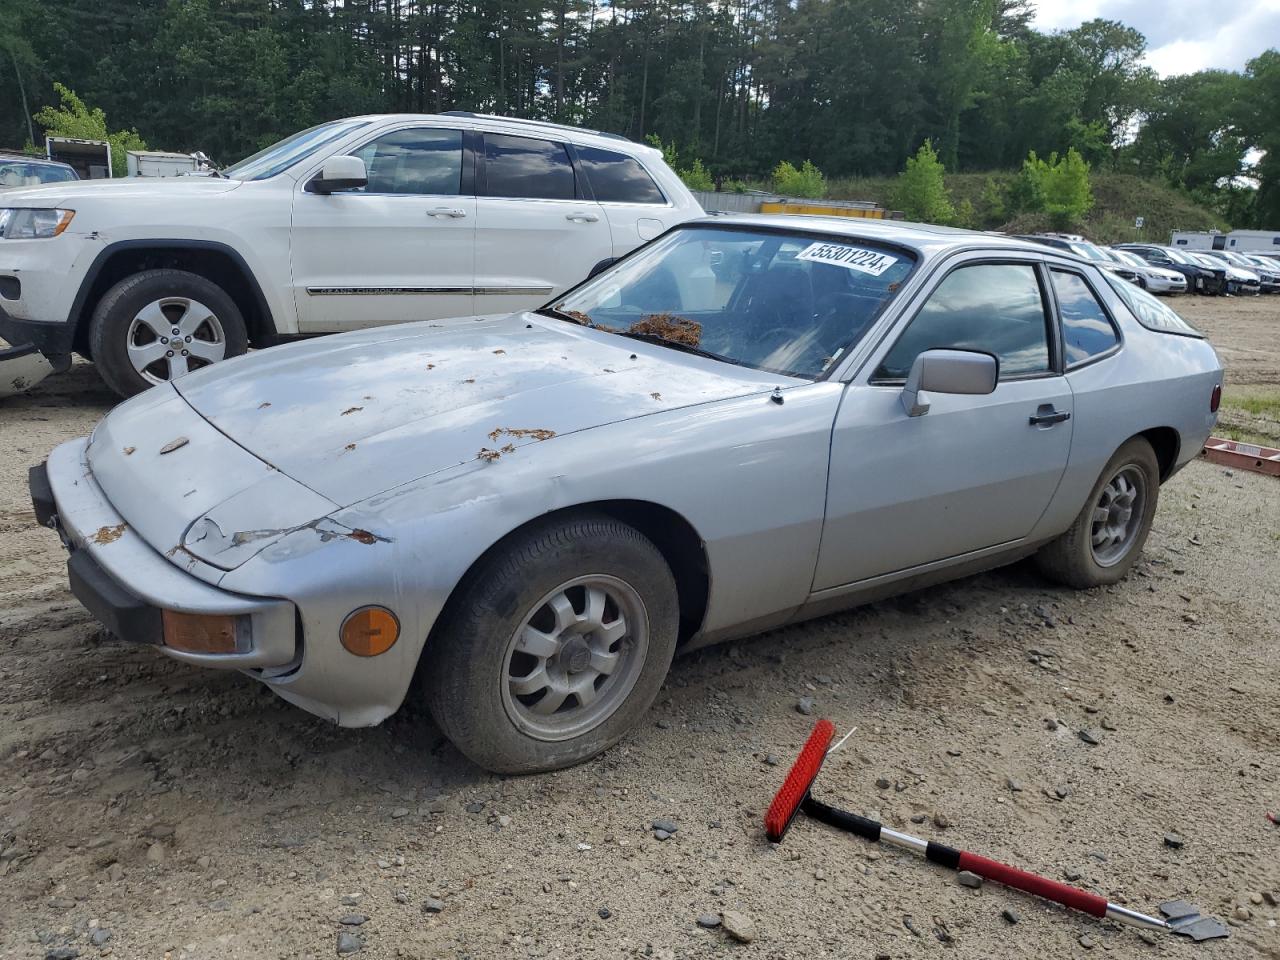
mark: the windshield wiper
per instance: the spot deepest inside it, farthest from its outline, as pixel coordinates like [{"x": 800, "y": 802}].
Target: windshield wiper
[{"x": 674, "y": 345}]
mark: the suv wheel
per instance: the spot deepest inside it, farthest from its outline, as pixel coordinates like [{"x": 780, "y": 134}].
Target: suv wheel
[
  {"x": 157, "y": 325},
  {"x": 556, "y": 646}
]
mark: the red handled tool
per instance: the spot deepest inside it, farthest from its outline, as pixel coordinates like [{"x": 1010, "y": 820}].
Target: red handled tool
[{"x": 796, "y": 795}]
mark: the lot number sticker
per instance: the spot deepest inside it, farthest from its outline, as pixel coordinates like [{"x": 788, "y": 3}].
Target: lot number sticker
[{"x": 853, "y": 258}]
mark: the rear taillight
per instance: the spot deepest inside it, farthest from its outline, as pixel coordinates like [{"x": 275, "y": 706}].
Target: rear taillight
[{"x": 1215, "y": 398}]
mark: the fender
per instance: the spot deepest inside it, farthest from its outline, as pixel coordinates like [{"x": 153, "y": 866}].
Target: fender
[{"x": 269, "y": 337}]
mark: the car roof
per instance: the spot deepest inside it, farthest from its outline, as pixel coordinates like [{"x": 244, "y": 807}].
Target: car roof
[
  {"x": 612, "y": 141},
  {"x": 927, "y": 238},
  {"x": 28, "y": 158}
]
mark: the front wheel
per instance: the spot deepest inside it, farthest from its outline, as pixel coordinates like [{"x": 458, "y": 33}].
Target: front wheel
[
  {"x": 1107, "y": 536},
  {"x": 156, "y": 325},
  {"x": 556, "y": 646}
]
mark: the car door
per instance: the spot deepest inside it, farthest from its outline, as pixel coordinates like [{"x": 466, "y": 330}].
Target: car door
[
  {"x": 972, "y": 473},
  {"x": 536, "y": 234},
  {"x": 401, "y": 248},
  {"x": 633, "y": 203}
]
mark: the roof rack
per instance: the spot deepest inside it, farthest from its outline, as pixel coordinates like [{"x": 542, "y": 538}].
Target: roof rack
[{"x": 536, "y": 123}]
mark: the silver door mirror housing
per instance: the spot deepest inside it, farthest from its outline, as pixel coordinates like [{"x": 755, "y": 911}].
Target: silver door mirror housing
[
  {"x": 948, "y": 371},
  {"x": 339, "y": 173}
]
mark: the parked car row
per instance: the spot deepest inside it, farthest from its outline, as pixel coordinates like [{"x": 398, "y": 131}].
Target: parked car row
[{"x": 1160, "y": 268}]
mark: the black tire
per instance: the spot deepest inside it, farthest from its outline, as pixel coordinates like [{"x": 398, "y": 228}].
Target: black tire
[
  {"x": 115, "y": 312},
  {"x": 465, "y": 668},
  {"x": 1071, "y": 558}
]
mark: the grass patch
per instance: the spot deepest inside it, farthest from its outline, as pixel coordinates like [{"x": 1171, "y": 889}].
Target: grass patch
[{"x": 1250, "y": 414}]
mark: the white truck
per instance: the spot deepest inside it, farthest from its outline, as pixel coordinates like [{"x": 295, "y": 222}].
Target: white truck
[{"x": 353, "y": 223}]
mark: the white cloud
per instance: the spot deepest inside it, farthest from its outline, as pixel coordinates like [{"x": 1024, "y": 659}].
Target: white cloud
[{"x": 1184, "y": 37}]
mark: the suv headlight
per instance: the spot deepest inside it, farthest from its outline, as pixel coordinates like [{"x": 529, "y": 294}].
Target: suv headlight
[{"x": 30, "y": 223}]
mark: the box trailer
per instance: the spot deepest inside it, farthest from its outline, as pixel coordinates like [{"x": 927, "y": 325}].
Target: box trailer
[
  {"x": 1199, "y": 240},
  {"x": 1254, "y": 241},
  {"x": 159, "y": 163},
  {"x": 91, "y": 159}
]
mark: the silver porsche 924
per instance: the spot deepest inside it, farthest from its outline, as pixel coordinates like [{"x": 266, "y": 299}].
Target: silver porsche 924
[{"x": 748, "y": 422}]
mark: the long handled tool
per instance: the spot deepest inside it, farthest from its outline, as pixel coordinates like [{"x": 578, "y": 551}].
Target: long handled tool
[{"x": 796, "y": 795}]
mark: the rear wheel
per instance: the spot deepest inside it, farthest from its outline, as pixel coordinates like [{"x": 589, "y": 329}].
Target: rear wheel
[
  {"x": 156, "y": 325},
  {"x": 1107, "y": 537},
  {"x": 555, "y": 647}
]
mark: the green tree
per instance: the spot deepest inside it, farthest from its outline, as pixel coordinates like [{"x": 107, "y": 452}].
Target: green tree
[
  {"x": 1058, "y": 187},
  {"x": 808, "y": 181},
  {"x": 920, "y": 191},
  {"x": 74, "y": 119}
]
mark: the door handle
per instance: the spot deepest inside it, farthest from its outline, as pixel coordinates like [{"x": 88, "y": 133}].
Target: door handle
[
  {"x": 582, "y": 217},
  {"x": 1047, "y": 416},
  {"x": 453, "y": 212}
]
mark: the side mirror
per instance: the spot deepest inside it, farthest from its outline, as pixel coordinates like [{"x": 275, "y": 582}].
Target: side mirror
[
  {"x": 339, "y": 173},
  {"x": 948, "y": 371}
]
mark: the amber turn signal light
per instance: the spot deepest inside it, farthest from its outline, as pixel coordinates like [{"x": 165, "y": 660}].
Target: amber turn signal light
[
  {"x": 199, "y": 633},
  {"x": 370, "y": 631}
]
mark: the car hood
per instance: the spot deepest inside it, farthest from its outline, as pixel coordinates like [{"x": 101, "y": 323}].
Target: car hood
[
  {"x": 125, "y": 188},
  {"x": 353, "y": 415}
]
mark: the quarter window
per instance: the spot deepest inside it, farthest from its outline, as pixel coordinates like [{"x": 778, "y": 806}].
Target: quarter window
[
  {"x": 524, "y": 167},
  {"x": 1086, "y": 328},
  {"x": 992, "y": 307},
  {"x": 617, "y": 178},
  {"x": 419, "y": 161}
]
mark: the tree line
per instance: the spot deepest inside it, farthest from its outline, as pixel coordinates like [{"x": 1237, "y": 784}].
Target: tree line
[{"x": 853, "y": 86}]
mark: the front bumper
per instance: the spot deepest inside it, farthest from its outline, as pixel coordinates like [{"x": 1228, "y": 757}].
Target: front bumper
[
  {"x": 39, "y": 282},
  {"x": 52, "y": 339},
  {"x": 126, "y": 584}
]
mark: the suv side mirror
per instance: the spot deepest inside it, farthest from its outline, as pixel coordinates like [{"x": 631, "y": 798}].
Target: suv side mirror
[
  {"x": 339, "y": 173},
  {"x": 948, "y": 371}
]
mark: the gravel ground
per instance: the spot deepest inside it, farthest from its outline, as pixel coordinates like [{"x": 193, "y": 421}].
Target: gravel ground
[{"x": 152, "y": 810}]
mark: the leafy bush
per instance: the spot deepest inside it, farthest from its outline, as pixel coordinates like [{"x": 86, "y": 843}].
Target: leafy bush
[
  {"x": 734, "y": 186},
  {"x": 993, "y": 202},
  {"x": 1058, "y": 187},
  {"x": 696, "y": 177},
  {"x": 806, "y": 182},
  {"x": 920, "y": 192},
  {"x": 74, "y": 119},
  {"x": 965, "y": 216}
]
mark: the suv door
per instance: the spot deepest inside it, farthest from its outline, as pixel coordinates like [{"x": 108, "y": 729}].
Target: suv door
[
  {"x": 635, "y": 205},
  {"x": 536, "y": 233},
  {"x": 975, "y": 472},
  {"x": 401, "y": 248}
]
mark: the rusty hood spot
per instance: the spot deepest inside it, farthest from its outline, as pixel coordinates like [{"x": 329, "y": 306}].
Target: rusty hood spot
[
  {"x": 499, "y": 350},
  {"x": 656, "y": 395},
  {"x": 351, "y": 410},
  {"x": 128, "y": 451},
  {"x": 110, "y": 534},
  {"x": 264, "y": 404},
  {"x": 173, "y": 445},
  {"x": 364, "y": 536}
]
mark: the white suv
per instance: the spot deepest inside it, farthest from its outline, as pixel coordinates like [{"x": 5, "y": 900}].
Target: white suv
[{"x": 354, "y": 223}]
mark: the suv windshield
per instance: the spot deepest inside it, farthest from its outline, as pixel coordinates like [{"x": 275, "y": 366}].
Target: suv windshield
[
  {"x": 791, "y": 303},
  {"x": 29, "y": 173},
  {"x": 1087, "y": 250},
  {"x": 284, "y": 154}
]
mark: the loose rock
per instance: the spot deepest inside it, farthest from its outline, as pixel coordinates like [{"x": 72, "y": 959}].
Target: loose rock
[
  {"x": 805, "y": 706},
  {"x": 348, "y": 943},
  {"x": 353, "y": 919},
  {"x": 604, "y": 913},
  {"x": 1173, "y": 840},
  {"x": 967, "y": 878},
  {"x": 1009, "y": 916},
  {"x": 1088, "y": 737},
  {"x": 708, "y": 921},
  {"x": 99, "y": 935},
  {"x": 738, "y": 926},
  {"x": 667, "y": 826},
  {"x": 61, "y": 953},
  {"x": 432, "y": 905},
  {"x": 1088, "y": 942}
]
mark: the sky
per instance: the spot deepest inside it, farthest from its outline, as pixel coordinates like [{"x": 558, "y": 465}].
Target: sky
[{"x": 1183, "y": 36}]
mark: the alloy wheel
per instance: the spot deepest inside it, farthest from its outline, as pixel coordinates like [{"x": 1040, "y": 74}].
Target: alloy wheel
[
  {"x": 170, "y": 336},
  {"x": 1117, "y": 516}
]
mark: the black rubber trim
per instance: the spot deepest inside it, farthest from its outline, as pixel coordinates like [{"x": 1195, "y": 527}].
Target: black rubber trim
[
  {"x": 861, "y": 826},
  {"x": 942, "y": 854},
  {"x": 126, "y": 615},
  {"x": 41, "y": 494},
  {"x": 49, "y": 338},
  {"x": 10, "y": 288}
]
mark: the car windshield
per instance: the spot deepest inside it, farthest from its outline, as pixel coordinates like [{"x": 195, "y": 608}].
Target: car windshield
[
  {"x": 27, "y": 173},
  {"x": 284, "y": 154},
  {"x": 1090, "y": 252},
  {"x": 1124, "y": 256},
  {"x": 1176, "y": 256},
  {"x": 788, "y": 302}
]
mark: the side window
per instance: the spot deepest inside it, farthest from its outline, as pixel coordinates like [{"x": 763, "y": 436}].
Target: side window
[
  {"x": 1086, "y": 329},
  {"x": 616, "y": 178},
  {"x": 993, "y": 307},
  {"x": 524, "y": 167},
  {"x": 419, "y": 161}
]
